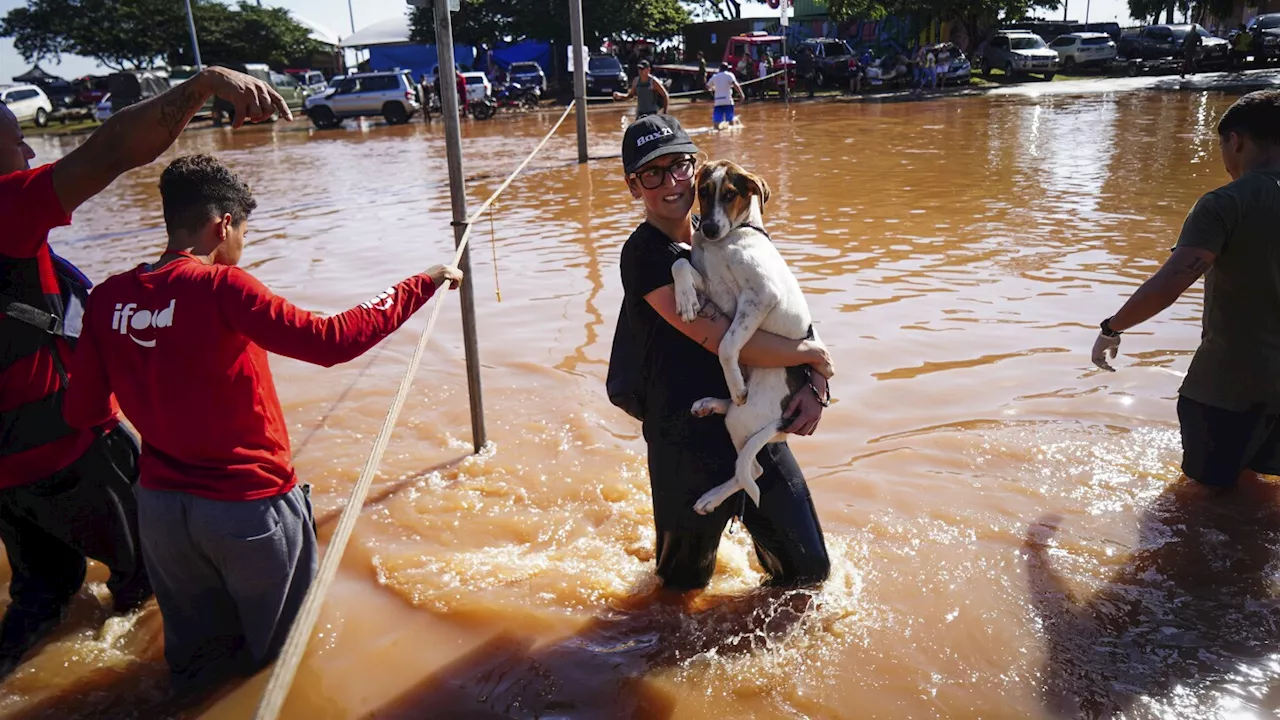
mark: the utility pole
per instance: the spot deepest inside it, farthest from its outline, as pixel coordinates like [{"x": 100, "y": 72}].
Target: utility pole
[
  {"x": 579, "y": 76},
  {"x": 195, "y": 44},
  {"x": 458, "y": 194}
]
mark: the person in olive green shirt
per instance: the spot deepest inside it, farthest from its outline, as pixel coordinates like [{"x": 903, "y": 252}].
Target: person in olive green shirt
[{"x": 1229, "y": 403}]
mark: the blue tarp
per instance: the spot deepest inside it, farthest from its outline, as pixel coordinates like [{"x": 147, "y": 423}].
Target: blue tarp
[
  {"x": 419, "y": 59},
  {"x": 528, "y": 50}
]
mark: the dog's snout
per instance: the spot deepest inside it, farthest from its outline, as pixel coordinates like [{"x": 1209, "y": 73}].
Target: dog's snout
[{"x": 710, "y": 228}]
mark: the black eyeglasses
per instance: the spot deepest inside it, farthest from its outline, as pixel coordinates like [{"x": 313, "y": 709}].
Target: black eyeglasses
[{"x": 653, "y": 178}]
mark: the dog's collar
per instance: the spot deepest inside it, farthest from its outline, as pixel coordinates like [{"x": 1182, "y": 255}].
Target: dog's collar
[{"x": 758, "y": 229}]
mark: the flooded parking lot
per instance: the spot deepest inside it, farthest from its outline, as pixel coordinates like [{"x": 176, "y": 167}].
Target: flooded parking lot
[{"x": 1008, "y": 536}]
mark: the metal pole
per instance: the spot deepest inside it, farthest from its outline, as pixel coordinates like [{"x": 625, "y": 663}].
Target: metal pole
[
  {"x": 351, "y": 13},
  {"x": 195, "y": 45},
  {"x": 786, "y": 74},
  {"x": 458, "y": 193},
  {"x": 1086, "y": 11},
  {"x": 579, "y": 76}
]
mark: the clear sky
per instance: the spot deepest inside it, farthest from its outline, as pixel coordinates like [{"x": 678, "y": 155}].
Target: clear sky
[{"x": 333, "y": 14}]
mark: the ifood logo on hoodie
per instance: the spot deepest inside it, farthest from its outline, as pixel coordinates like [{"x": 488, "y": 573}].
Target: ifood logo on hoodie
[{"x": 128, "y": 318}]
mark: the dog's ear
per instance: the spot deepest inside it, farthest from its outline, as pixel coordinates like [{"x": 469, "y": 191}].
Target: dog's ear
[
  {"x": 704, "y": 174},
  {"x": 756, "y": 184}
]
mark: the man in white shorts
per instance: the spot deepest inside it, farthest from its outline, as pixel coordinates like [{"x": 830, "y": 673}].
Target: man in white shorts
[{"x": 722, "y": 86}]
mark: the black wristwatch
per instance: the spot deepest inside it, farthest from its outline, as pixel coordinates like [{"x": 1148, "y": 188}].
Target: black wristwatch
[{"x": 1106, "y": 329}]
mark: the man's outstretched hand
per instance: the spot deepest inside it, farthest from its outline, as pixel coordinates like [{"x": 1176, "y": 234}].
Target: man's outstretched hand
[{"x": 253, "y": 99}]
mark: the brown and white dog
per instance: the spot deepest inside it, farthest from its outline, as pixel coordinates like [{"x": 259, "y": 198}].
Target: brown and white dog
[{"x": 736, "y": 266}]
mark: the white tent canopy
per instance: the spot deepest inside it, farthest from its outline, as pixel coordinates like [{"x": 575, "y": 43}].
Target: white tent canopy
[
  {"x": 319, "y": 32},
  {"x": 392, "y": 31}
]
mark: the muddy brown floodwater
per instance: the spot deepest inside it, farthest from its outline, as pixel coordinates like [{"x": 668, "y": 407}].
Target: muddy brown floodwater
[{"x": 1008, "y": 535}]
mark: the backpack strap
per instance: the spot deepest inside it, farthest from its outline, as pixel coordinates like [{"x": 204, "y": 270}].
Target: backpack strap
[{"x": 45, "y": 322}]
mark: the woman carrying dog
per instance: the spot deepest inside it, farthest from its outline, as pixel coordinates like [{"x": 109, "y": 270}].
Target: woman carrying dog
[{"x": 679, "y": 365}]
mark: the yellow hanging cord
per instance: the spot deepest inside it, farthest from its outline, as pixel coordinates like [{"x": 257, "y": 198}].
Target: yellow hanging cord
[{"x": 493, "y": 245}]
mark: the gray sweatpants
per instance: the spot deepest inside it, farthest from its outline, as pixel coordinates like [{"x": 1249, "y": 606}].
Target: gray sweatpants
[{"x": 229, "y": 578}]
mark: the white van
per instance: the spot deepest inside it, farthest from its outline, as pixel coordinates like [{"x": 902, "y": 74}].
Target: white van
[{"x": 28, "y": 102}]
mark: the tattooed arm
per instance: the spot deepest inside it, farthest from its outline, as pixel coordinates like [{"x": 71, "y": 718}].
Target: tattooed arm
[
  {"x": 1183, "y": 268},
  {"x": 138, "y": 134}
]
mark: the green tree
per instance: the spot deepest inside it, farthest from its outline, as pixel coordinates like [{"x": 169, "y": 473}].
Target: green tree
[
  {"x": 118, "y": 33},
  {"x": 137, "y": 33},
  {"x": 249, "y": 33},
  {"x": 721, "y": 9},
  {"x": 491, "y": 21},
  {"x": 977, "y": 17}
]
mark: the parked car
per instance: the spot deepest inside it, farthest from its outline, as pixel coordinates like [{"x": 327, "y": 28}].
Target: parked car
[
  {"x": 102, "y": 110},
  {"x": 28, "y": 102},
  {"x": 1019, "y": 52},
  {"x": 133, "y": 86},
  {"x": 312, "y": 80},
  {"x": 478, "y": 87},
  {"x": 391, "y": 94},
  {"x": 605, "y": 75},
  {"x": 1265, "y": 30},
  {"x": 1161, "y": 42},
  {"x": 60, "y": 92},
  {"x": 295, "y": 96},
  {"x": 959, "y": 70},
  {"x": 528, "y": 74},
  {"x": 1084, "y": 50},
  {"x": 831, "y": 58},
  {"x": 90, "y": 90}
]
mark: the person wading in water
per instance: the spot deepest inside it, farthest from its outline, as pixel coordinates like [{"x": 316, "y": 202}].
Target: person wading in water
[
  {"x": 1229, "y": 403},
  {"x": 651, "y": 97}
]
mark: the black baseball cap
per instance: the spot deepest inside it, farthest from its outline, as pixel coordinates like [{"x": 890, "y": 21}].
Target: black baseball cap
[
  {"x": 652, "y": 136},
  {"x": 643, "y": 64}
]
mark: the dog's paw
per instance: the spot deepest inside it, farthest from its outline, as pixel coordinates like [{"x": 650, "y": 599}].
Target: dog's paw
[
  {"x": 709, "y": 406},
  {"x": 687, "y": 303},
  {"x": 738, "y": 394},
  {"x": 714, "y": 497}
]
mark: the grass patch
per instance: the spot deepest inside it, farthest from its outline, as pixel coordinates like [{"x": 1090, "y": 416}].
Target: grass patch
[{"x": 55, "y": 128}]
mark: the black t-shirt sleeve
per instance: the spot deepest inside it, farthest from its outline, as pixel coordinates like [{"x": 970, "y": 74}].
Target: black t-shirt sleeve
[
  {"x": 1209, "y": 223},
  {"x": 646, "y": 263}
]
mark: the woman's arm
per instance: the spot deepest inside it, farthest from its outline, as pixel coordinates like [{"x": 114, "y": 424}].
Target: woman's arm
[{"x": 764, "y": 349}]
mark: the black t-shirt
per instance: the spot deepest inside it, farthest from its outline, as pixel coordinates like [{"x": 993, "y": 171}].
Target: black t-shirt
[
  {"x": 676, "y": 371},
  {"x": 1237, "y": 366}
]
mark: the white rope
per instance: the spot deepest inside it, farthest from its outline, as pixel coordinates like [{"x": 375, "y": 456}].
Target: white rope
[
  {"x": 295, "y": 646},
  {"x": 691, "y": 93}
]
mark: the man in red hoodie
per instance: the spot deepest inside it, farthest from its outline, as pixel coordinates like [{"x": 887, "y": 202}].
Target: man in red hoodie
[
  {"x": 67, "y": 494},
  {"x": 227, "y": 531}
]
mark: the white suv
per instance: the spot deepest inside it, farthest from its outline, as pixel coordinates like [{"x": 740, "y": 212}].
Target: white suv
[
  {"x": 28, "y": 102},
  {"x": 1084, "y": 49},
  {"x": 391, "y": 94},
  {"x": 478, "y": 87}
]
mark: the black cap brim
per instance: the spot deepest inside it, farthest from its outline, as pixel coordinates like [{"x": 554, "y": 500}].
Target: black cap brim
[{"x": 685, "y": 147}]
